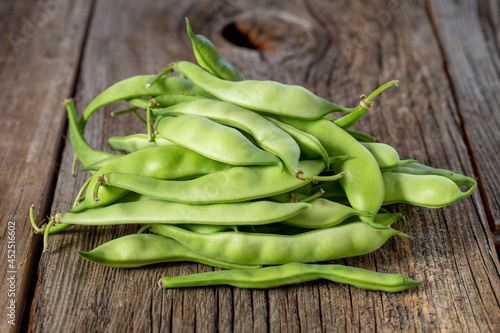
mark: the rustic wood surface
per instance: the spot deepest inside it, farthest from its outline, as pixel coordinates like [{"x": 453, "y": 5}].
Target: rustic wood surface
[{"x": 444, "y": 114}]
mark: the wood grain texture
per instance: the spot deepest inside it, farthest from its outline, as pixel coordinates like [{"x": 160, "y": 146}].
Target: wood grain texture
[
  {"x": 469, "y": 33},
  {"x": 338, "y": 50},
  {"x": 39, "y": 56}
]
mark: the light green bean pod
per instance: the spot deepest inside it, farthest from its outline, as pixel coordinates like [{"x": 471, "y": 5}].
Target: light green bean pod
[
  {"x": 138, "y": 250},
  {"x": 210, "y": 58},
  {"x": 232, "y": 185},
  {"x": 293, "y": 273},
  {"x": 387, "y": 157},
  {"x": 267, "y": 135},
  {"x": 134, "y": 142},
  {"x": 218, "y": 142},
  {"x": 265, "y": 96},
  {"x": 159, "y": 211},
  {"x": 429, "y": 191},
  {"x": 421, "y": 169},
  {"x": 324, "y": 214},
  {"x": 342, "y": 241}
]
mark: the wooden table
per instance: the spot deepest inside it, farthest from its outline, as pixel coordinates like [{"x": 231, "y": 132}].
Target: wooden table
[{"x": 445, "y": 114}]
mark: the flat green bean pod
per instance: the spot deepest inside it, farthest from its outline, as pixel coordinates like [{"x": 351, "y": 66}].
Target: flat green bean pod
[
  {"x": 232, "y": 185},
  {"x": 362, "y": 181},
  {"x": 387, "y": 157},
  {"x": 166, "y": 100},
  {"x": 138, "y": 250},
  {"x": 99, "y": 164},
  {"x": 136, "y": 142},
  {"x": 265, "y": 96},
  {"x": 134, "y": 87},
  {"x": 421, "y": 169},
  {"x": 267, "y": 135},
  {"x": 324, "y": 214},
  {"x": 163, "y": 162},
  {"x": 221, "y": 143},
  {"x": 429, "y": 191},
  {"x": 292, "y": 273},
  {"x": 159, "y": 211},
  {"x": 210, "y": 58},
  {"x": 342, "y": 241},
  {"x": 310, "y": 147}
]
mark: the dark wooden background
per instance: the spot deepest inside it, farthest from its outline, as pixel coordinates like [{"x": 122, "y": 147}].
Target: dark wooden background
[{"x": 445, "y": 114}]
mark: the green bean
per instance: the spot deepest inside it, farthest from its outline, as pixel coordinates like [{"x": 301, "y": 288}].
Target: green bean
[
  {"x": 87, "y": 154},
  {"x": 99, "y": 164},
  {"x": 210, "y": 58},
  {"x": 232, "y": 185},
  {"x": 362, "y": 180},
  {"x": 163, "y": 162},
  {"x": 159, "y": 211},
  {"x": 421, "y": 169},
  {"x": 292, "y": 273},
  {"x": 138, "y": 250},
  {"x": 310, "y": 147},
  {"x": 342, "y": 241},
  {"x": 267, "y": 135},
  {"x": 264, "y": 96},
  {"x": 324, "y": 214},
  {"x": 167, "y": 100},
  {"x": 207, "y": 228},
  {"x": 136, "y": 142},
  {"x": 221, "y": 143},
  {"x": 134, "y": 87},
  {"x": 429, "y": 191},
  {"x": 387, "y": 157}
]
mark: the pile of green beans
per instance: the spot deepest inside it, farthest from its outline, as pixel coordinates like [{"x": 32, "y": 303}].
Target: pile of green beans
[{"x": 277, "y": 180}]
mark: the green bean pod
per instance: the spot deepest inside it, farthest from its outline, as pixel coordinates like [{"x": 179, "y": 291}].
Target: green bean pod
[
  {"x": 361, "y": 137},
  {"x": 386, "y": 156},
  {"x": 421, "y": 169},
  {"x": 136, "y": 142},
  {"x": 342, "y": 241},
  {"x": 134, "y": 87},
  {"x": 87, "y": 154},
  {"x": 221, "y": 143},
  {"x": 310, "y": 147},
  {"x": 265, "y": 96},
  {"x": 99, "y": 164},
  {"x": 159, "y": 211},
  {"x": 267, "y": 135},
  {"x": 138, "y": 250},
  {"x": 232, "y": 185},
  {"x": 163, "y": 162},
  {"x": 166, "y": 100},
  {"x": 293, "y": 273},
  {"x": 324, "y": 214},
  {"x": 362, "y": 181},
  {"x": 210, "y": 58},
  {"x": 429, "y": 191}
]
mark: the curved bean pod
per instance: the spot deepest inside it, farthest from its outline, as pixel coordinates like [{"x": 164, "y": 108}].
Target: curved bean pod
[
  {"x": 421, "y": 169},
  {"x": 362, "y": 181},
  {"x": 221, "y": 143},
  {"x": 324, "y": 214},
  {"x": 138, "y": 250},
  {"x": 232, "y": 185},
  {"x": 292, "y": 273},
  {"x": 136, "y": 142},
  {"x": 264, "y": 96},
  {"x": 386, "y": 156},
  {"x": 210, "y": 58},
  {"x": 159, "y": 211},
  {"x": 342, "y": 241},
  {"x": 266, "y": 134},
  {"x": 429, "y": 191}
]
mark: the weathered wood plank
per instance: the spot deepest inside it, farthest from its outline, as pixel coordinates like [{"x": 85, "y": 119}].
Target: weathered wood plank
[
  {"x": 39, "y": 52},
  {"x": 469, "y": 32},
  {"x": 338, "y": 50}
]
